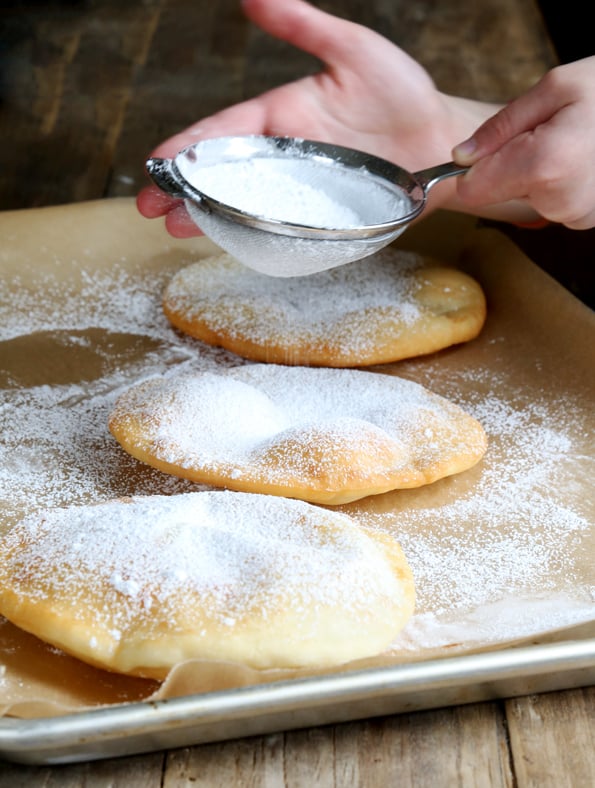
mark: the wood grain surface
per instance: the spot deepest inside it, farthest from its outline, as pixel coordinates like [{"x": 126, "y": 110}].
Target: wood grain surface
[{"x": 87, "y": 88}]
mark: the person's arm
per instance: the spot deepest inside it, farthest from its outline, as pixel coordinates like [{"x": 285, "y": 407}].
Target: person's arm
[{"x": 370, "y": 95}]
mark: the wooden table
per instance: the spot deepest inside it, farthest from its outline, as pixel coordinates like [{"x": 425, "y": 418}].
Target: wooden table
[{"x": 88, "y": 88}]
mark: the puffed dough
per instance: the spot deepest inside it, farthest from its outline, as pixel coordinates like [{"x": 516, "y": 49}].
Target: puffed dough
[
  {"x": 390, "y": 306},
  {"x": 136, "y": 586},
  {"x": 323, "y": 435}
]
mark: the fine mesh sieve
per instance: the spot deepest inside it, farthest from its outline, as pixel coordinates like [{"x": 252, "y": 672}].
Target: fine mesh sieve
[{"x": 289, "y": 207}]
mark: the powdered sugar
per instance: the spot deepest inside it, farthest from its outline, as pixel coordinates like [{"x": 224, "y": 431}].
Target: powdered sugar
[
  {"x": 263, "y": 187},
  {"x": 518, "y": 527},
  {"x": 517, "y": 538},
  {"x": 327, "y": 435},
  {"x": 114, "y": 300},
  {"x": 225, "y": 552},
  {"x": 65, "y": 356},
  {"x": 292, "y": 191},
  {"x": 335, "y": 309}
]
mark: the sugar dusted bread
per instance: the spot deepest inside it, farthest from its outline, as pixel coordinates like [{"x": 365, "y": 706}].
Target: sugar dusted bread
[
  {"x": 393, "y": 305},
  {"x": 323, "y": 435},
  {"x": 138, "y": 585}
]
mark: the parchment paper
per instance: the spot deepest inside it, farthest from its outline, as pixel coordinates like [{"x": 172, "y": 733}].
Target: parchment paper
[{"x": 502, "y": 554}]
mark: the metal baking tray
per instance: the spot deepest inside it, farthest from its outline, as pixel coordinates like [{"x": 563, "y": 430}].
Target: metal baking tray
[
  {"x": 553, "y": 662},
  {"x": 134, "y": 728}
]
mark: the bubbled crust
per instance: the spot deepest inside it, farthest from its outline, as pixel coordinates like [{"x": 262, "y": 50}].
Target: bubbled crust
[{"x": 322, "y": 435}]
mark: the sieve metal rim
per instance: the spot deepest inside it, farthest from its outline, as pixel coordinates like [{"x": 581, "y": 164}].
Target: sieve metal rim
[{"x": 167, "y": 174}]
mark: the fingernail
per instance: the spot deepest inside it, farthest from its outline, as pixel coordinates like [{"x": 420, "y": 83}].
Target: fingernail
[{"x": 463, "y": 152}]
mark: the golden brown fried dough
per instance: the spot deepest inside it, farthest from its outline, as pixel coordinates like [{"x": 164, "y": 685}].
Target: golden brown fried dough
[
  {"x": 138, "y": 586},
  {"x": 323, "y": 435},
  {"x": 390, "y": 306}
]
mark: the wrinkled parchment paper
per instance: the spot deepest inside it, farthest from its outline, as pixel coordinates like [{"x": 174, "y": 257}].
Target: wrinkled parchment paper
[{"x": 502, "y": 554}]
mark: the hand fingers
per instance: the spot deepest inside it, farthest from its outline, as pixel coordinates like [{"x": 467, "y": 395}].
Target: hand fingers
[
  {"x": 585, "y": 222},
  {"x": 540, "y": 166},
  {"x": 179, "y": 224},
  {"x": 537, "y": 106},
  {"x": 152, "y": 202},
  {"x": 530, "y": 150},
  {"x": 328, "y": 38}
]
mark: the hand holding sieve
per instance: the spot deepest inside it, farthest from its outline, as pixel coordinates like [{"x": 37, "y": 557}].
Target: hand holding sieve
[{"x": 288, "y": 206}]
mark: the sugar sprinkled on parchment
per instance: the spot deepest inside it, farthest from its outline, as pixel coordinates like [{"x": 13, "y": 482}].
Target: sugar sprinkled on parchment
[
  {"x": 55, "y": 449},
  {"x": 518, "y": 542},
  {"x": 115, "y": 299},
  {"x": 520, "y": 530}
]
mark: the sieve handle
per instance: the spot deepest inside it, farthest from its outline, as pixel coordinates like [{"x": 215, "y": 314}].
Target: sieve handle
[{"x": 427, "y": 178}]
